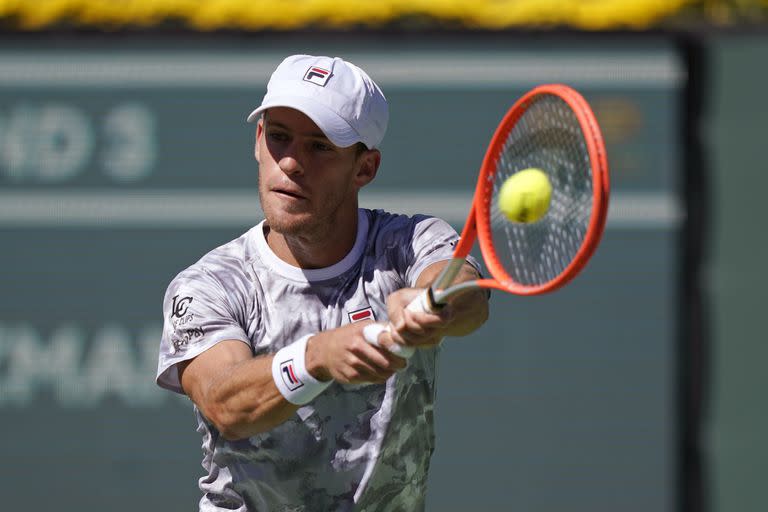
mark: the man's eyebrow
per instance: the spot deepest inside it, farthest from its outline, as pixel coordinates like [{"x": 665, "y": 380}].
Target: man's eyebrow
[{"x": 278, "y": 124}]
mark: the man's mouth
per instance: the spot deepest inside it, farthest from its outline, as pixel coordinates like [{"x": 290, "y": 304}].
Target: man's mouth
[{"x": 294, "y": 194}]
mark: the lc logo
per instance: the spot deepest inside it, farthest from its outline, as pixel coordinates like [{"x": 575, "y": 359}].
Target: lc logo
[{"x": 179, "y": 307}]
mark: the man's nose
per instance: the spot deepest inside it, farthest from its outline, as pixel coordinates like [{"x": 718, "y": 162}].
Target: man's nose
[
  {"x": 290, "y": 164},
  {"x": 290, "y": 160}
]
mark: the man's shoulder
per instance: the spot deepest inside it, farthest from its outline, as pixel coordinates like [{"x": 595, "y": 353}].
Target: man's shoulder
[
  {"x": 383, "y": 219},
  {"x": 229, "y": 257},
  {"x": 400, "y": 225},
  {"x": 237, "y": 249}
]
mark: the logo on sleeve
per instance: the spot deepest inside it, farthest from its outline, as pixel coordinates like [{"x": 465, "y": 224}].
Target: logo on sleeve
[
  {"x": 183, "y": 337},
  {"x": 185, "y": 330},
  {"x": 317, "y": 76},
  {"x": 361, "y": 314},
  {"x": 289, "y": 375},
  {"x": 179, "y": 307}
]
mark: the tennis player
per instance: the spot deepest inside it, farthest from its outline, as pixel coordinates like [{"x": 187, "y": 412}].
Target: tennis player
[{"x": 265, "y": 333}]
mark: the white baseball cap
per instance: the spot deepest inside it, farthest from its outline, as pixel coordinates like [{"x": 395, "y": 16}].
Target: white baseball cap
[{"x": 338, "y": 96}]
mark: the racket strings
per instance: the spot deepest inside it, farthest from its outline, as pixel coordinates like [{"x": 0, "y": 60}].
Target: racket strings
[{"x": 548, "y": 136}]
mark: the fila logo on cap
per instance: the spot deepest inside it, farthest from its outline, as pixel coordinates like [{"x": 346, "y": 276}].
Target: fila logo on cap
[
  {"x": 317, "y": 76},
  {"x": 289, "y": 376},
  {"x": 361, "y": 314}
]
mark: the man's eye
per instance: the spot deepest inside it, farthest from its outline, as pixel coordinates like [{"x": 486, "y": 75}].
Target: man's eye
[
  {"x": 278, "y": 136},
  {"x": 321, "y": 146}
]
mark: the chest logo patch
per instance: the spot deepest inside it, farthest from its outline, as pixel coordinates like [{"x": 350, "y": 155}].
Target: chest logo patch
[{"x": 361, "y": 314}]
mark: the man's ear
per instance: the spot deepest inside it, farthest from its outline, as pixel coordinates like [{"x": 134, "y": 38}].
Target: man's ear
[
  {"x": 259, "y": 134},
  {"x": 369, "y": 163}
]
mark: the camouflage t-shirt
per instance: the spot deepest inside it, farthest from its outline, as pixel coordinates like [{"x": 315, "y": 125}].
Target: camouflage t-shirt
[{"x": 354, "y": 447}]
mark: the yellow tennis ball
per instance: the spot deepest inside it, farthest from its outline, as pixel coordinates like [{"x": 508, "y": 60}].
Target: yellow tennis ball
[{"x": 524, "y": 196}]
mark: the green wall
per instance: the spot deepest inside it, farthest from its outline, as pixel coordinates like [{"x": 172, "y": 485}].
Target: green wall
[
  {"x": 737, "y": 139},
  {"x": 580, "y": 421}
]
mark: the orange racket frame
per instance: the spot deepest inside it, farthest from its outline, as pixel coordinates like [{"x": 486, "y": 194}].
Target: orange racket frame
[{"x": 478, "y": 225}]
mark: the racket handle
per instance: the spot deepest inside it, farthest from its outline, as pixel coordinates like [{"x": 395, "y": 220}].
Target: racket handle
[
  {"x": 424, "y": 303},
  {"x": 371, "y": 334}
]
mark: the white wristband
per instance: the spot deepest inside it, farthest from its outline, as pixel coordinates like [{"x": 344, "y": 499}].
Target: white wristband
[{"x": 291, "y": 376}]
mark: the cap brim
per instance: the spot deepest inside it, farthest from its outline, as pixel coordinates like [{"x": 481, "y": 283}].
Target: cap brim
[{"x": 330, "y": 123}]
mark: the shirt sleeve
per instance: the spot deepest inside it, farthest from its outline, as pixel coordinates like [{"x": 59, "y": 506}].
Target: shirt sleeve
[
  {"x": 198, "y": 313},
  {"x": 433, "y": 240}
]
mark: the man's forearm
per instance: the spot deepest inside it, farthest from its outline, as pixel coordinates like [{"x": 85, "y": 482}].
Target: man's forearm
[{"x": 243, "y": 400}]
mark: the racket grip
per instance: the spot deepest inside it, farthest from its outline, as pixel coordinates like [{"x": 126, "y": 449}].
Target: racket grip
[
  {"x": 424, "y": 303},
  {"x": 371, "y": 334}
]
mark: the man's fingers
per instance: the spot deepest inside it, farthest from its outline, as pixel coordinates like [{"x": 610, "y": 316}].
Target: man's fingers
[
  {"x": 416, "y": 328},
  {"x": 379, "y": 356},
  {"x": 367, "y": 363},
  {"x": 380, "y": 335},
  {"x": 416, "y": 320}
]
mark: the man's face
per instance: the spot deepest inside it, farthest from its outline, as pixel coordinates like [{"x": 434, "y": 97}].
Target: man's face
[{"x": 306, "y": 183}]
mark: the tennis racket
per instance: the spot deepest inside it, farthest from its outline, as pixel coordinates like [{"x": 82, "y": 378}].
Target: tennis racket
[{"x": 551, "y": 128}]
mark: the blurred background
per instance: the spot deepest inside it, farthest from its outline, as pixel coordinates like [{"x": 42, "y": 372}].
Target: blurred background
[{"x": 125, "y": 156}]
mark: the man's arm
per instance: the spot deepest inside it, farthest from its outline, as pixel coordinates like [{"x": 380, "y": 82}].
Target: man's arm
[
  {"x": 236, "y": 392},
  {"x": 463, "y": 314}
]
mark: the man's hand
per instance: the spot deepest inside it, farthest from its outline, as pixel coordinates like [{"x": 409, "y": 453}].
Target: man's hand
[
  {"x": 343, "y": 355},
  {"x": 463, "y": 314},
  {"x": 416, "y": 329}
]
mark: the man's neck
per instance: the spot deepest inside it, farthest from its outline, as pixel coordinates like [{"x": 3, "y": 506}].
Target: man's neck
[{"x": 319, "y": 250}]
